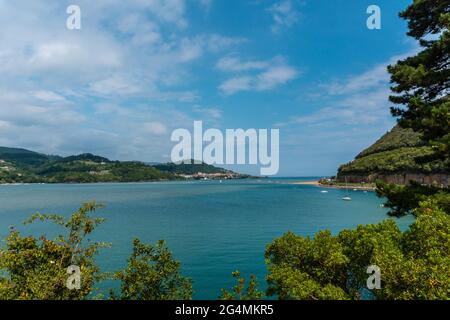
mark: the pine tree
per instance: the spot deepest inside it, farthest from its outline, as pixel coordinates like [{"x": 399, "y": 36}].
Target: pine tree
[{"x": 421, "y": 82}]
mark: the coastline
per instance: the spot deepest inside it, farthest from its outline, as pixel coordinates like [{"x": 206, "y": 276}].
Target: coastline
[
  {"x": 335, "y": 186},
  {"x": 313, "y": 183},
  {"x": 121, "y": 182}
]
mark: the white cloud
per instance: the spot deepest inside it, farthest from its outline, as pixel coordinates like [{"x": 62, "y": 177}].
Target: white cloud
[
  {"x": 129, "y": 56},
  {"x": 139, "y": 29},
  {"x": 48, "y": 96},
  {"x": 190, "y": 49},
  {"x": 357, "y": 102},
  {"x": 269, "y": 74},
  {"x": 373, "y": 78},
  {"x": 234, "y": 64},
  {"x": 369, "y": 79},
  {"x": 130, "y": 66},
  {"x": 237, "y": 84},
  {"x": 275, "y": 76},
  {"x": 37, "y": 109},
  {"x": 115, "y": 85},
  {"x": 208, "y": 112},
  {"x": 165, "y": 11},
  {"x": 284, "y": 15},
  {"x": 357, "y": 110},
  {"x": 154, "y": 127},
  {"x": 216, "y": 43},
  {"x": 170, "y": 11}
]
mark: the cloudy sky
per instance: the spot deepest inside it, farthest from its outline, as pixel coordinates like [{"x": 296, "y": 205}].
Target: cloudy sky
[{"x": 139, "y": 69}]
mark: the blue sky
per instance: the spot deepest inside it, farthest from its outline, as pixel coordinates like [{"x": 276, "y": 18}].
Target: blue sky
[{"x": 139, "y": 69}]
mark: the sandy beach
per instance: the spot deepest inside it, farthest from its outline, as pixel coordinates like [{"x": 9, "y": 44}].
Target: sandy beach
[{"x": 314, "y": 183}]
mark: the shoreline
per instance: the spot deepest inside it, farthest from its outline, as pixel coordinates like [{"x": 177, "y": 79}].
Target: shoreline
[
  {"x": 335, "y": 186},
  {"x": 118, "y": 182}
]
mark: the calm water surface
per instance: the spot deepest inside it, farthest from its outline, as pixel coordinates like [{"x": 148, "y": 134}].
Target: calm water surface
[{"x": 213, "y": 228}]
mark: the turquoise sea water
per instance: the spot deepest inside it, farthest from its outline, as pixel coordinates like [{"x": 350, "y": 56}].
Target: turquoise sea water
[{"x": 213, "y": 228}]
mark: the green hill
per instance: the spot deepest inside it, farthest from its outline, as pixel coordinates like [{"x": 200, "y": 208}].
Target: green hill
[
  {"x": 24, "y": 157},
  {"x": 25, "y": 166},
  {"x": 400, "y": 151},
  {"x": 395, "y": 139},
  {"x": 189, "y": 169}
]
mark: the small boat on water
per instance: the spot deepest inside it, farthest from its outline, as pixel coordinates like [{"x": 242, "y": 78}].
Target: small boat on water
[
  {"x": 347, "y": 197},
  {"x": 324, "y": 191}
]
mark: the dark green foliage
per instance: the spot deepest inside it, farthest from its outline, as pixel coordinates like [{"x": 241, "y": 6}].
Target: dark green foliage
[
  {"x": 189, "y": 168},
  {"x": 304, "y": 268},
  {"x": 98, "y": 169},
  {"x": 397, "y": 138},
  {"x": 421, "y": 86},
  {"x": 414, "y": 264},
  {"x": 85, "y": 157},
  {"x": 426, "y": 17},
  {"x": 240, "y": 292},
  {"x": 398, "y": 151},
  {"x": 402, "y": 160},
  {"x": 152, "y": 274},
  {"x": 25, "y": 166},
  {"x": 137, "y": 171},
  {"x": 421, "y": 82},
  {"x": 403, "y": 200},
  {"x": 23, "y": 157}
]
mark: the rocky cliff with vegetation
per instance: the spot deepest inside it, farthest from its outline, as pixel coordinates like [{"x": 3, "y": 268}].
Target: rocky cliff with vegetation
[{"x": 400, "y": 156}]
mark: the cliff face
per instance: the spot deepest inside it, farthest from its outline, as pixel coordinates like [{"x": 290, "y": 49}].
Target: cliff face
[
  {"x": 398, "y": 157},
  {"x": 438, "y": 179}
]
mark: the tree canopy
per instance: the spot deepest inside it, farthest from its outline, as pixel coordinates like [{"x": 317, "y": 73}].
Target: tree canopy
[
  {"x": 37, "y": 268},
  {"x": 152, "y": 274},
  {"x": 414, "y": 264},
  {"x": 421, "y": 82}
]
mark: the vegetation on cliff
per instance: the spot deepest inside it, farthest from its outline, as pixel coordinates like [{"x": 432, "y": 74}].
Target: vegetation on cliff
[
  {"x": 395, "y": 139},
  {"x": 401, "y": 150},
  {"x": 420, "y": 89},
  {"x": 420, "y": 85}
]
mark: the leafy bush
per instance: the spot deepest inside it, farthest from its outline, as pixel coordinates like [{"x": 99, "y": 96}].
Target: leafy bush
[
  {"x": 36, "y": 268},
  {"x": 152, "y": 274},
  {"x": 32, "y": 268},
  {"x": 414, "y": 264}
]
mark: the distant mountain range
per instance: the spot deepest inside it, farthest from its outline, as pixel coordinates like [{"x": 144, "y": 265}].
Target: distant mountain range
[
  {"x": 24, "y": 166},
  {"x": 399, "y": 156}
]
